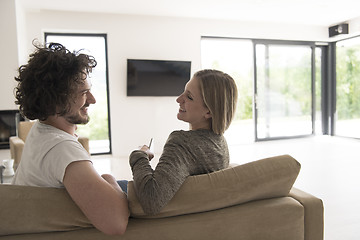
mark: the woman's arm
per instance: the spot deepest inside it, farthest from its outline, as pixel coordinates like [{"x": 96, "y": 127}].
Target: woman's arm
[
  {"x": 100, "y": 198},
  {"x": 155, "y": 188}
]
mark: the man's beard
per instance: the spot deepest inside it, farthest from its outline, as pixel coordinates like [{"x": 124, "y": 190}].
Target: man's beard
[{"x": 77, "y": 119}]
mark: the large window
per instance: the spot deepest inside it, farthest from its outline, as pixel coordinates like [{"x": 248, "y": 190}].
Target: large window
[
  {"x": 347, "y": 115},
  {"x": 234, "y": 57},
  {"x": 98, "y": 128},
  {"x": 276, "y": 81}
]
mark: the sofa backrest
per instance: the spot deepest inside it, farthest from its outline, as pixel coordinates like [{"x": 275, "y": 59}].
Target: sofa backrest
[
  {"x": 37, "y": 209},
  {"x": 262, "y": 179},
  {"x": 27, "y": 209}
]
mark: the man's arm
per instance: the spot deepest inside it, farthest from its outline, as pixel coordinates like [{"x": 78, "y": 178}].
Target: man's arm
[{"x": 100, "y": 198}]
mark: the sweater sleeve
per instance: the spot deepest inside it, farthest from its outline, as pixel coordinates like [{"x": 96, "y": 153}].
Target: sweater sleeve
[{"x": 155, "y": 188}]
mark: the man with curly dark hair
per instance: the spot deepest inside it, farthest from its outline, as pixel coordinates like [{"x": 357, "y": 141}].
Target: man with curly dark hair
[{"x": 54, "y": 89}]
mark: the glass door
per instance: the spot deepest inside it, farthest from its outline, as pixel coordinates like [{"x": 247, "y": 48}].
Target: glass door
[
  {"x": 347, "y": 115},
  {"x": 284, "y": 89}
]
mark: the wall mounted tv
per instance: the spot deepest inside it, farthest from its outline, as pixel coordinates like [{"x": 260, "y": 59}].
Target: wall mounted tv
[{"x": 157, "y": 77}]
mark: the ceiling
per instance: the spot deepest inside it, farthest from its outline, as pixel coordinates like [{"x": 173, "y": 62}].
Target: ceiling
[{"x": 308, "y": 12}]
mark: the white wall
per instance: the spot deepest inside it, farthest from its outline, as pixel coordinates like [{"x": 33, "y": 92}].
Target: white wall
[
  {"x": 9, "y": 54},
  {"x": 134, "y": 120}
]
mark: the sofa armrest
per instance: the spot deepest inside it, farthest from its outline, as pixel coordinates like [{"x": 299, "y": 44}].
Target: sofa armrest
[
  {"x": 16, "y": 149},
  {"x": 314, "y": 214}
]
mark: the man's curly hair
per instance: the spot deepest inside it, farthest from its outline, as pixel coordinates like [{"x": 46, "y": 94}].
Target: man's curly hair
[{"x": 47, "y": 83}]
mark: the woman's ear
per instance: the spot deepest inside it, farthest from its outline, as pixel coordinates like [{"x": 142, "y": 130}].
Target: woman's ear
[{"x": 208, "y": 115}]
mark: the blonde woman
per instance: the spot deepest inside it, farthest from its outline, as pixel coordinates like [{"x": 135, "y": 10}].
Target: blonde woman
[{"x": 208, "y": 104}]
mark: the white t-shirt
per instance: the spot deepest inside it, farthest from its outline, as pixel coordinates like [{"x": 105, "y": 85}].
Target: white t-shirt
[{"x": 47, "y": 153}]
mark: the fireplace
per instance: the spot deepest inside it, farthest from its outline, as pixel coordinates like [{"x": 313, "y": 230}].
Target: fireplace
[{"x": 9, "y": 120}]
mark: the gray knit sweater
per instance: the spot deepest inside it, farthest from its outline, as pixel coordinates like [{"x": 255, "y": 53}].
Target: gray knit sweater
[{"x": 185, "y": 153}]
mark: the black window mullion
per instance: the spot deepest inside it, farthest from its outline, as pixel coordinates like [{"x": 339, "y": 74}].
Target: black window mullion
[
  {"x": 331, "y": 88},
  {"x": 325, "y": 83}
]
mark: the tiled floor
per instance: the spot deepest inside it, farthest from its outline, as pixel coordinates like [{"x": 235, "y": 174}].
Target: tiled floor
[{"x": 330, "y": 171}]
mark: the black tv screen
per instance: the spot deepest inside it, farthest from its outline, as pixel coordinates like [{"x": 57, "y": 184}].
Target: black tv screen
[{"x": 157, "y": 77}]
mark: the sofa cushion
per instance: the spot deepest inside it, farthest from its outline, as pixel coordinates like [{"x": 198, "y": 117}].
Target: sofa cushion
[{"x": 266, "y": 178}]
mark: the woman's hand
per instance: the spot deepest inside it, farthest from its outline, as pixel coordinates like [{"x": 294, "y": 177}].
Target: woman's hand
[{"x": 146, "y": 149}]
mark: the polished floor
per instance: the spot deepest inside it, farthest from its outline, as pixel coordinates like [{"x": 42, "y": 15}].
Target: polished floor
[{"x": 330, "y": 171}]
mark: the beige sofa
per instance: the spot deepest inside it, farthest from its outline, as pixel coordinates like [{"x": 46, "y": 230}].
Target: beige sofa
[{"x": 250, "y": 201}]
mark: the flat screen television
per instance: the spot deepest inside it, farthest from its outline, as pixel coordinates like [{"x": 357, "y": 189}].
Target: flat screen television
[{"x": 157, "y": 77}]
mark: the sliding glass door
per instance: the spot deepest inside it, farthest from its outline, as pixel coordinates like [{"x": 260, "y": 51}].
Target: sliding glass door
[
  {"x": 347, "y": 115},
  {"x": 283, "y": 89},
  {"x": 275, "y": 81}
]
